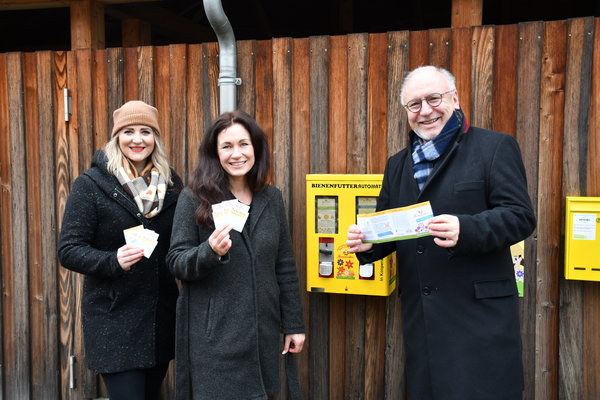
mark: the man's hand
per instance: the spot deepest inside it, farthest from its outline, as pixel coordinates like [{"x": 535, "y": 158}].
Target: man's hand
[
  {"x": 446, "y": 229},
  {"x": 354, "y": 242}
]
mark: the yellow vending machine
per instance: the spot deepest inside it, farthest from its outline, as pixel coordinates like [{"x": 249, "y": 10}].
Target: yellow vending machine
[
  {"x": 332, "y": 203},
  {"x": 582, "y": 238}
]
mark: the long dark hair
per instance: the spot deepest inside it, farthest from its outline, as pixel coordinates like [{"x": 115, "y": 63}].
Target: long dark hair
[{"x": 209, "y": 182}]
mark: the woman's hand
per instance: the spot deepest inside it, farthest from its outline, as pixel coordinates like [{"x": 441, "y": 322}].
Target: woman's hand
[
  {"x": 293, "y": 342},
  {"x": 219, "y": 241},
  {"x": 128, "y": 255}
]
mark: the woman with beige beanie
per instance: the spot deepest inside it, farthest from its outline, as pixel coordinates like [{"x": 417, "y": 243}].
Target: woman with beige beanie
[{"x": 129, "y": 294}]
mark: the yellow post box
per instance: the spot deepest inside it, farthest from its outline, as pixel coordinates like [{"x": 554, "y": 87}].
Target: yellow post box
[
  {"x": 582, "y": 240},
  {"x": 332, "y": 203}
]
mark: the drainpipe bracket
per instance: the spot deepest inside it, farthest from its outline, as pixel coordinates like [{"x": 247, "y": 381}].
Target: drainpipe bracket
[{"x": 228, "y": 80}]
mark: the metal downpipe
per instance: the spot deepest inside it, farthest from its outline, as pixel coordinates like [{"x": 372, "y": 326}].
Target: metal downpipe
[{"x": 227, "y": 55}]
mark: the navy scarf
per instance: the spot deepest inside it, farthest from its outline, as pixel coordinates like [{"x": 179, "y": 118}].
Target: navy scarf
[{"x": 425, "y": 153}]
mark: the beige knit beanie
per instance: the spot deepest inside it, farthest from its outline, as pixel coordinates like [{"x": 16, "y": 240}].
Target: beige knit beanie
[{"x": 135, "y": 112}]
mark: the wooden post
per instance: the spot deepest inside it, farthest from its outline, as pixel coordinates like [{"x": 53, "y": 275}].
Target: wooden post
[
  {"x": 135, "y": 32},
  {"x": 466, "y": 13},
  {"x": 87, "y": 24}
]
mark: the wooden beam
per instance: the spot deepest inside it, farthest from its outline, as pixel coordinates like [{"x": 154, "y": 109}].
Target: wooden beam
[
  {"x": 87, "y": 24},
  {"x": 466, "y": 13},
  {"x": 135, "y": 32}
]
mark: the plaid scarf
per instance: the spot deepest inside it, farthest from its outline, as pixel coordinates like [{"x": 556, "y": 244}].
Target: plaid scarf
[
  {"x": 425, "y": 153},
  {"x": 147, "y": 189}
]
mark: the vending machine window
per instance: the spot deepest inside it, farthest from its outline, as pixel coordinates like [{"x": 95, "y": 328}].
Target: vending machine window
[{"x": 326, "y": 214}]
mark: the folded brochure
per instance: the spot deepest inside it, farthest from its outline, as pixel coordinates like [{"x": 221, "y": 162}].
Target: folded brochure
[{"x": 396, "y": 224}]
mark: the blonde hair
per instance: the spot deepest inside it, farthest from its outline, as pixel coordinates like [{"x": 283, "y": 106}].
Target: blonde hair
[{"x": 159, "y": 157}]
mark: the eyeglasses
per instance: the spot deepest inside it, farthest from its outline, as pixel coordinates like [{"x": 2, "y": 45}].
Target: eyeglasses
[{"x": 434, "y": 100}]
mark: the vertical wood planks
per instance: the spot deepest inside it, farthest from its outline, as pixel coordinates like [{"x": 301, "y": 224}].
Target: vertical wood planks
[
  {"x": 418, "y": 49},
  {"x": 377, "y": 103},
  {"x": 32, "y": 154},
  {"x": 246, "y": 72},
  {"x": 177, "y": 111},
  {"x": 397, "y": 66},
  {"x": 505, "y": 90},
  {"x": 320, "y": 351},
  {"x": 162, "y": 82},
  {"x": 5, "y": 200},
  {"x": 42, "y": 382},
  {"x": 300, "y": 167},
  {"x": 549, "y": 200},
  {"x": 195, "y": 105},
  {"x": 210, "y": 69},
  {"x": 338, "y": 99},
  {"x": 63, "y": 186},
  {"x": 100, "y": 99},
  {"x": 482, "y": 64},
  {"x": 439, "y": 47},
  {"x": 50, "y": 388},
  {"x": 527, "y": 133},
  {"x": 114, "y": 81},
  {"x": 130, "y": 72},
  {"x": 397, "y": 138},
  {"x": 282, "y": 123},
  {"x": 356, "y": 163},
  {"x": 460, "y": 66},
  {"x": 338, "y": 117},
  {"x": 375, "y": 317},
  {"x": 145, "y": 74},
  {"x": 264, "y": 90},
  {"x": 15, "y": 276},
  {"x": 591, "y": 290},
  {"x": 575, "y": 140},
  {"x": 282, "y": 131}
]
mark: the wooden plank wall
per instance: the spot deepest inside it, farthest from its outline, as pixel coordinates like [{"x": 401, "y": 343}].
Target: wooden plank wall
[{"x": 328, "y": 105}]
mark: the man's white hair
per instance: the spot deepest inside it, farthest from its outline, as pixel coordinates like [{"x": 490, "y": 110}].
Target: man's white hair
[{"x": 449, "y": 77}]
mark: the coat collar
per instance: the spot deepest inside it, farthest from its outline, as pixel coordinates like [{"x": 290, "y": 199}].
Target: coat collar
[{"x": 260, "y": 200}]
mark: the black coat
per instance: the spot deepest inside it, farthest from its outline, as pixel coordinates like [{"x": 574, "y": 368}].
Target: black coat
[
  {"x": 232, "y": 310},
  {"x": 460, "y": 311},
  {"x": 128, "y": 316}
]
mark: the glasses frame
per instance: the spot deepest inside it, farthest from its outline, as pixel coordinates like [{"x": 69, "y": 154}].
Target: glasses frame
[{"x": 426, "y": 99}]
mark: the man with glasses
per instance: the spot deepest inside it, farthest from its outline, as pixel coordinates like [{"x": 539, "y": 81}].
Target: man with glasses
[{"x": 458, "y": 289}]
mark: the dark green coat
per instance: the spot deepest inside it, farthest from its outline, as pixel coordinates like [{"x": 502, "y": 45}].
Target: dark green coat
[
  {"x": 128, "y": 316},
  {"x": 232, "y": 311}
]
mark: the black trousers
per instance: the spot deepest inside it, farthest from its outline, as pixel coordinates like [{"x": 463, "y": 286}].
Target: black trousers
[{"x": 137, "y": 384}]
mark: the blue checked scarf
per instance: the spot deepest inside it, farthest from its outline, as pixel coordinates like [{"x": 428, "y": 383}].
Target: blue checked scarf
[{"x": 425, "y": 153}]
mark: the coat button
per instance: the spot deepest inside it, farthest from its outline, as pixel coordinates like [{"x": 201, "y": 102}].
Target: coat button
[
  {"x": 115, "y": 195},
  {"x": 139, "y": 215},
  {"x": 426, "y": 291},
  {"x": 420, "y": 249}
]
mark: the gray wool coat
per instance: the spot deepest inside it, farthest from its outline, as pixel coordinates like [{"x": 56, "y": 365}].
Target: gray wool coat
[
  {"x": 459, "y": 305},
  {"x": 128, "y": 316},
  {"x": 232, "y": 310}
]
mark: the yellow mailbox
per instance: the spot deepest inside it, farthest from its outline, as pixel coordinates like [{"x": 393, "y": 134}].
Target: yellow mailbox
[
  {"x": 582, "y": 240},
  {"x": 332, "y": 203}
]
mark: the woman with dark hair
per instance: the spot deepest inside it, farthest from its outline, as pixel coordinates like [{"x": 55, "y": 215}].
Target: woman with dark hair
[
  {"x": 240, "y": 289},
  {"x": 129, "y": 294}
]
